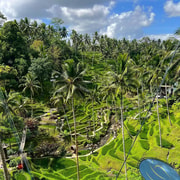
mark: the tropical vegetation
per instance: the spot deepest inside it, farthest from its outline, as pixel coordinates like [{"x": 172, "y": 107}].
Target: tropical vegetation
[{"x": 84, "y": 105}]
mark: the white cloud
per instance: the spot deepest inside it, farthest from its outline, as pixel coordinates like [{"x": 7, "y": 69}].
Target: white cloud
[
  {"x": 85, "y": 16},
  {"x": 37, "y": 8},
  {"x": 128, "y": 24},
  {"x": 83, "y": 20},
  {"x": 163, "y": 36},
  {"x": 172, "y": 9}
]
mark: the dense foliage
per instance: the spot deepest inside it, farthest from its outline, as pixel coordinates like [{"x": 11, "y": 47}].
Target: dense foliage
[{"x": 73, "y": 88}]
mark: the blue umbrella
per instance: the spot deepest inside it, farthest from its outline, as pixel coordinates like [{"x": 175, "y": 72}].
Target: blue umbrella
[{"x": 152, "y": 169}]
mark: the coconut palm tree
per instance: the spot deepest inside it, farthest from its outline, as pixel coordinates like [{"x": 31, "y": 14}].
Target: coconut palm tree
[
  {"x": 156, "y": 79},
  {"x": 72, "y": 84},
  {"x": 18, "y": 104},
  {"x": 124, "y": 79},
  {"x": 59, "y": 100},
  {"x": 31, "y": 84},
  {"x": 76, "y": 40}
]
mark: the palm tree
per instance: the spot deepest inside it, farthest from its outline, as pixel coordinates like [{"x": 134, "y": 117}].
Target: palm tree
[
  {"x": 75, "y": 39},
  {"x": 31, "y": 84},
  {"x": 87, "y": 41},
  {"x": 167, "y": 105},
  {"x": 18, "y": 104},
  {"x": 156, "y": 78},
  {"x": 58, "y": 99},
  {"x": 71, "y": 82},
  {"x": 123, "y": 79}
]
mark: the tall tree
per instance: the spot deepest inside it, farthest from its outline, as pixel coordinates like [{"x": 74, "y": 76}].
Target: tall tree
[
  {"x": 31, "y": 84},
  {"x": 13, "y": 43},
  {"x": 59, "y": 101},
  {"x": 156, "y": 79},
  {"x": 71, "y": 82},
  {"x": 124, "y": 79},
  {"x": 75, "y": 39}
]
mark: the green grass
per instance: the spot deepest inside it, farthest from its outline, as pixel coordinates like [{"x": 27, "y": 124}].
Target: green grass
[
  {"x": 165, "y": 143},
  {"x": 58, "y": 163},
  {"x": 144, "y": 144},
  {"x": 106, "y": 148},
  {"x": 69, "y": 171}
]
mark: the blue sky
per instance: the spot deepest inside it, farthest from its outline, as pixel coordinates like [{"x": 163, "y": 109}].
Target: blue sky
[
  {"x": 162, "y": 23},
  {"x": 116, "y": 18}
]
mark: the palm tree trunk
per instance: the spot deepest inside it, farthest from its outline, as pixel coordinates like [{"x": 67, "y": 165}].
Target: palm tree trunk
[
  {"x": 67, "y": 121},
  {"x": 93, "y": 115},
  {"x": 159, "y": 122},
  {"x": 143, "y": 101},
  {"x": 139, "y": 105},
  {"x": 76, "y": 142},
  {"x": 122, "y": 126},
  {"x": 31, "y": 106},
  {"x": 6, "y": 173},
  {"x": 167, "y": 105},
  {"x": 151, "y": 93}
]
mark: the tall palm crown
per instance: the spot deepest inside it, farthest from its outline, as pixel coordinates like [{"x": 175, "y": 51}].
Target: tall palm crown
[
  {"x": 124, "y": 75},
  {"x": 71, "y": 81},
  {"x": 29, "y": 82}
]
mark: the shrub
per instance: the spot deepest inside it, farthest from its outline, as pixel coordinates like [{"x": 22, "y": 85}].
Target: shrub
[
  {"x": 10, "y": 152},
  {"x": 47, "y": 148},
  {"x": 14, "y": 162},
  {"x": 20, "y": 176},
  {"x": 32, "y": 124}
]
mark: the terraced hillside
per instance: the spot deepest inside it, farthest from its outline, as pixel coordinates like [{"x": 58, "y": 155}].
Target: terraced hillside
[{"x": 106, "y": 161}]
